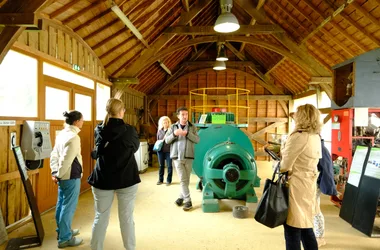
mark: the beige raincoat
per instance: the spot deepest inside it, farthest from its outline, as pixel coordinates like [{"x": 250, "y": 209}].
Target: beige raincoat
[{"x": 300, "y": 156}]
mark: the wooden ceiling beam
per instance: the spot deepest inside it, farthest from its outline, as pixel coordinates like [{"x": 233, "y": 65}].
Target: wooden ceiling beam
[
  {"x": 260, "y": 4},
  {"x": 90, "y": 21},
  {"x": 155, "y": 21},
  {"x": 94, "y": 33},
  {"x": 362, "y": 30},
  {"x": 275, "y": 66},
  {"x": 316, "y": 37},
  {"x": 228, "y": 63},
  {"x": 108, "y": 25},
  {"x": 63, "y": 9},
  {"x": 338, "y": 43},
  {"x": 121, "y": 31},
  {"x": 252, "y": 22},
  {"x": 186, "y": 17},
  {"x": 334, "y": 25},
  {"x": 366, "y": 13},
  {"x": 352, "y": 22},
  {"x": 185, "y": 4},
  {"x": 170, "y": 81},
  {"x": 300, "y": 52},
  {"x": 18, "y": 19},
  {"x": 209, "y": 30},
  {"x": 208, "y": 39},
  {"x": 101, "y": 43},
  {"x": 82, "y": 12},
  {"x": 222, "y": 97},
  {"x": 242, "y": 57},
  {"x": 300, "y": 24},
  {"x": 10, "y": 34},
  {"x": 124, "y": 53}
]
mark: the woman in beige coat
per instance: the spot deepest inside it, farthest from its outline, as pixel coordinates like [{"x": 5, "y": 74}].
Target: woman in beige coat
[{"x": 300, "y": 156}]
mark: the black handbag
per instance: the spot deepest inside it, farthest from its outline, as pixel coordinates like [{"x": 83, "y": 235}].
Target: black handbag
[{"x": 272, "y": 209}]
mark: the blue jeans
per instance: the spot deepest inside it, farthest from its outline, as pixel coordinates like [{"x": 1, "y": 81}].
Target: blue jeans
[
  {"x": 294, "y": 236},
  {"x": 68, "y": 193},
  {"x": 103, "y": 202},
  {"x": 162, "y": 156}
]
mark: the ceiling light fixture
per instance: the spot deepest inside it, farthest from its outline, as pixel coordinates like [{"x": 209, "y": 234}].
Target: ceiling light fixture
[
  {"x": 226, "y": 22},
  {"x": 219, "y": 65},
  {"x": 222, "y": 56}
]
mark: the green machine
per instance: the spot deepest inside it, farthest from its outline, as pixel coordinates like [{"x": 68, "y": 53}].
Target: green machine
[{"x": 224, "y": 162}]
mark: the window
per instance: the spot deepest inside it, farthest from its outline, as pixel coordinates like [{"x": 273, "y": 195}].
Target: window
[
  {"x": 53, "y": 108},
  {"x": 18, "y": 85},
  {"x": 83, "y": 104},
  {"x": 103, "y": 93},
  {"x": 68, "y": 76}
]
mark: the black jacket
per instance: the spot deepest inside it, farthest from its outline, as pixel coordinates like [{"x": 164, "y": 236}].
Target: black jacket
[{"x": 116, "y": 166}]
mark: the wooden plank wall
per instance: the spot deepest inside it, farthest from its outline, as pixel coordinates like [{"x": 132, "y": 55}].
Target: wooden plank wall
[
  {"x": 133, "y": 100},
  {"x": 13, "y": 201},
  {"x": 258, "y": 108},
  {"x": 64, "y": 45}
]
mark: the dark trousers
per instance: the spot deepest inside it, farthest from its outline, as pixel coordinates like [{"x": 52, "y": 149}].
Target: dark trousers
[
  {"x": 162, "y": 156},
  {"x": 294, "y": 236}
]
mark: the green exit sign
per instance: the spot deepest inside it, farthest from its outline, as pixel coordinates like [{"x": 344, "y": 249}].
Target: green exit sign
[{"x": 76, "y": 67}]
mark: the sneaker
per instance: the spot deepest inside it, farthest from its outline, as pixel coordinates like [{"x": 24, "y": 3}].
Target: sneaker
[
  {"x": 187, "y": 206},
  {"x": 70, "y": 243},
  {"x": 159, "y": 182},
  {"x": 179, "y": 202},
  {"x": 74, "y": 232},
  {"x": 168, "y": 183}
]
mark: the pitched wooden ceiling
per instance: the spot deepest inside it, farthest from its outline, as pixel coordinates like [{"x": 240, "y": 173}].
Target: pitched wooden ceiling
[{"x": 301, "y": 39}]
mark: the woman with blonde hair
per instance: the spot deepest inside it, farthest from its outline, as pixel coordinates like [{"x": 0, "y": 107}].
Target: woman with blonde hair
[
  {"x": 164, "y": 154},
  {"x": 115, "y": 172},
  {"x": 300, "y": 156}
]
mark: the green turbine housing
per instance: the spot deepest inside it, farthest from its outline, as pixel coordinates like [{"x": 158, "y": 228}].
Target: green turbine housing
[{"x": 225, "y": 163}]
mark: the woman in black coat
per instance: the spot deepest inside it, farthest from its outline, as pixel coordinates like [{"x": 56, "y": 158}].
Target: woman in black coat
[{"x": 115, "y": 172}]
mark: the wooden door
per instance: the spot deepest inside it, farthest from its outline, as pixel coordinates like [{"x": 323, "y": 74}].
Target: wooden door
[
  {"x": 84, "y": 102},
  {"x": 70, "y": 97}
]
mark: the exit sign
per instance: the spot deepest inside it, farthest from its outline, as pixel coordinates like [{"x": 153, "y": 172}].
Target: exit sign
[{"x": 76, "y": 67}]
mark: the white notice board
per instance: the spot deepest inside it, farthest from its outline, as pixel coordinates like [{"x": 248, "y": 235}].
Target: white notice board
[
  {"x": 373, "y": 164},
  {"x": 357, "y": 165}
]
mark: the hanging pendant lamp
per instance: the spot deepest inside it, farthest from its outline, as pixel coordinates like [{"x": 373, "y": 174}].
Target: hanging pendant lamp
[{"x": 226, "y": 22}]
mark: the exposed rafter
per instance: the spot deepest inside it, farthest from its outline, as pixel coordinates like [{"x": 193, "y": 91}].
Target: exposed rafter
[
  {"x": 224, "y": 97},
  {"x": 10, "y": 33},
  {"x": 298, "y": 51},
  {"x": 228, "y": 63},
  {"x": 63, "y": 9},
  {"x": 169, "y": 82},
  {"x": 208, "y": 39},
  {"x": 82, "y": 12},
  {"x": 186, "y": 17},
  {"x": 209, "y": 30}
]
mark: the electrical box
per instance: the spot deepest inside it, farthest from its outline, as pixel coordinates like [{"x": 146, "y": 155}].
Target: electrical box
[
  {"x": 356, "y": 82},
  {"x": 35, "y": 141}
]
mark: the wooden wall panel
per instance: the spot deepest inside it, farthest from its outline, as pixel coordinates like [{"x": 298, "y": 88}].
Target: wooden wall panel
[
  {"x": 4, "y": 150},
  {"x": 64, "y": 45}
]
